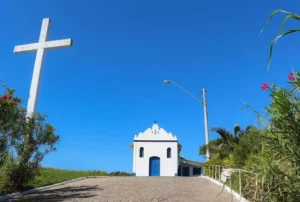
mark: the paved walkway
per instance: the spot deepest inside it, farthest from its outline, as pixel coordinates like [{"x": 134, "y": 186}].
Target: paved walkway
[{"x": 134, "y": 189}]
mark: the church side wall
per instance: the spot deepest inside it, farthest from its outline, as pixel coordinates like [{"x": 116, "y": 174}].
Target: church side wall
[{"x": 168, "y": 166}]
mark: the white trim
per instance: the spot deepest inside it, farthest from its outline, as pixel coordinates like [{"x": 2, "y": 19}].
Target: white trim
[
  {"x": 228, "y": 189},
  {"x": 36, "y": 190}
]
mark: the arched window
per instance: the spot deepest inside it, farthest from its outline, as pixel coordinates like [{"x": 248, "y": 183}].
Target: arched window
[
  {"x": 169, "y": 153},
  {"x": 141, "y": 152}
]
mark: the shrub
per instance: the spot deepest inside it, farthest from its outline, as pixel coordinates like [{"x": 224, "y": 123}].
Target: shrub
[
  {"x": 248, "y": 144},
  {"x": 23, "y": 143},
  {"x": 278, "y": 164}
]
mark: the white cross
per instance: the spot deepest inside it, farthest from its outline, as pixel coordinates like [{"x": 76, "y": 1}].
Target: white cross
[{"x": 38, "y": 65}]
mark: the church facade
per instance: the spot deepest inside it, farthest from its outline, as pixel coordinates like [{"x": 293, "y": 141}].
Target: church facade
[{"x": 155, "y": 153}]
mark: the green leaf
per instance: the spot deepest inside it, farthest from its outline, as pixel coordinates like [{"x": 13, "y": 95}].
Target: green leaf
[
  {"x": 275, "y": 40},
  {"x": 271, "y": 16},
  {"x": 296, "y": 17}
]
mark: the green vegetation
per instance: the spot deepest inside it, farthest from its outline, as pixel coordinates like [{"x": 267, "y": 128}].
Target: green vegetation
[
  {"x": 48, "y": 176},
  {"x": 24, "y": 141},
  {"x": 271, "y": 154},
  {"x": 280, "y": 34}
]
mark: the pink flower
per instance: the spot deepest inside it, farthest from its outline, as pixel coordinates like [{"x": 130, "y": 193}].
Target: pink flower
[
  {"x": 291, "y": 76},
  {"x": 265, "y": 86},
  {"x": 4, "y": 97}
]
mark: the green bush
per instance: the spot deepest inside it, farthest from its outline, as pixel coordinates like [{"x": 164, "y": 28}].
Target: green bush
[
  {"x": 248, "y": 144},
  {"x": 278, "y": 165},
  {"x": 23, "y": 143}
]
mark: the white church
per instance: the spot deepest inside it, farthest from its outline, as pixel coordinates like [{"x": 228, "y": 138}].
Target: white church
[{"x": 155, "y": 153}]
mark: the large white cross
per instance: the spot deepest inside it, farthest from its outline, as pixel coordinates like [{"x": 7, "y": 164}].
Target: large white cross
[{"x": 40, "y": 47}]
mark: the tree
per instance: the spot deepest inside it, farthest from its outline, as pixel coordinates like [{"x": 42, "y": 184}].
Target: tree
[
  {"x": 248, "y": 144},
  {"x": 22, "y": 143},
  {"x": 9, "y": 117},
  {"x": 213, "y": 147},
  {"x": 225, "y": 144}
]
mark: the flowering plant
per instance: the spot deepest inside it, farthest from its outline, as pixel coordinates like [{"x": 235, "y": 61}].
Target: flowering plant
[
  {"x": 24, "y": 141},
  {"x": 277, "y": 167}
]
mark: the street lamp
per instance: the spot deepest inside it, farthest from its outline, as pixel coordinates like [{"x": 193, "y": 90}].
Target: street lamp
[{"x": 205, "y": 112}]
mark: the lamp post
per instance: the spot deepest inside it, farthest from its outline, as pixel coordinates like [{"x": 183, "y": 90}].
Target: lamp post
[{"x": 205, "y": 112}]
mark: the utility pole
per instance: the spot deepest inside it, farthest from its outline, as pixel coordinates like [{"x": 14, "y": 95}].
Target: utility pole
[{"x": 205, "y": 125}]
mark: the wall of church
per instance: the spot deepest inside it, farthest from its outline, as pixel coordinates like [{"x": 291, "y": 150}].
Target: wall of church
[{"x": 168, "y": 166}]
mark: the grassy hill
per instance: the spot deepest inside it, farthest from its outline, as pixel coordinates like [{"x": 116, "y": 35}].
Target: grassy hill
[{"x": 48, "y": 176}]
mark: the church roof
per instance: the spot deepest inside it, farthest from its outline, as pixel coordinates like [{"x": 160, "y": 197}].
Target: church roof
[
  {"x": 189, "y": 162},
  {"x": 155, "y": 133}
]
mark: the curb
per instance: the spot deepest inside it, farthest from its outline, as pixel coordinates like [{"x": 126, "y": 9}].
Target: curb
[
  {"x": 36, "y": 190},
  {"x": 228, "y": 189}
]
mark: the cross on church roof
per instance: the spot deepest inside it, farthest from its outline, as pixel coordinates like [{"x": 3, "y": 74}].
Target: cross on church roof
[{"x": 155, "y": 122}]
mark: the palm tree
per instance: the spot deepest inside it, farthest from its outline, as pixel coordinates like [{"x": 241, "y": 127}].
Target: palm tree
[
  {"x": 238, "y": 131},
  {"x": 227, "y": 140},
  {"x": 213, "y": 147}
]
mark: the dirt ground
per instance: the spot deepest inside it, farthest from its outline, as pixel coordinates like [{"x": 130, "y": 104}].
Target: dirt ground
[{"x": 134, "y": 189}]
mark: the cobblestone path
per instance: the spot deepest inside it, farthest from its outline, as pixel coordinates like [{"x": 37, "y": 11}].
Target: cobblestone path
[{"x": 134, "y": 189}]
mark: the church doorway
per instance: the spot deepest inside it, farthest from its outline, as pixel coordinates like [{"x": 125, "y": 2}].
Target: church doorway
[
  {"x": 186, "y": 171},
  {"x": 154, "y": 166}
]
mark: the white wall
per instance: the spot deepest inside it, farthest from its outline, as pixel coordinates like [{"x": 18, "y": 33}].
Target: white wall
[{"x": 168, "y": 166}]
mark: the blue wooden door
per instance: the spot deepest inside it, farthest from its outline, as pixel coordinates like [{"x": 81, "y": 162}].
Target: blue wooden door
[{"x": 154, "y": 166}]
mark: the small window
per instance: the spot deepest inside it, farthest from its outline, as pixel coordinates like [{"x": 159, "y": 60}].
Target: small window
[
  {"x": 141, "y": 152},
  {"x": 196, "y": 171},
  {"x": 169, "y": 153}
]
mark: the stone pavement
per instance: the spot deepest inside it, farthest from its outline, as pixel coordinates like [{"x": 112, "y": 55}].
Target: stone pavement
[{"x": 134, "y": 189}]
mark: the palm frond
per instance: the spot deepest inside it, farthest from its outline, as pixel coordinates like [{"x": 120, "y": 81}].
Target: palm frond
[
  {"x": 237, "y": 129},
  {"x": 248, "y": 128},
  {"x": 225, "y": 134}
]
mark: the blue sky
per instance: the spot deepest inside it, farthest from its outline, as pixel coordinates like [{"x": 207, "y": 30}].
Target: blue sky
[{"x": 109, "y": 85}]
